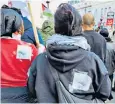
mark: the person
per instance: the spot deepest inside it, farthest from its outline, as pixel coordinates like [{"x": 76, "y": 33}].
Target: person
[
  {"x": 47, "y": 29},
  {"x": 28, "y": 35},
  {"x": 68, "y": 72},
  {"x": 110, "y": 53},
  {"x": 95, "y": 40},
  {"x": 16, "y": 56},
  {"x": 113, "y": 36}
]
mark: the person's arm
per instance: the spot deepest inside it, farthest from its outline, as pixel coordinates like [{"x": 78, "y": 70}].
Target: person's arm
[
  {"x": 103, "y": 50},
  {"x": 41, "y": 83},
  {"x": 45, "y": 84},
  {"x": 102, "y": 83},
  {"x": 113, "y": 57},
  {"x": 31, "y": 80},
  {"x": 40, "y": 37}
]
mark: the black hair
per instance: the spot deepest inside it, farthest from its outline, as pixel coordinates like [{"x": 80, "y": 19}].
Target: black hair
[
  {"x": 11, "y": 21},
  {"x": 67, "y": 20},
  {"x": 104, "y": 32}
]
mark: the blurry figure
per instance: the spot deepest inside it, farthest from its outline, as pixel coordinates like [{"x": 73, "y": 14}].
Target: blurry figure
[
  {"x": 114, "y": 33},
  {"x": 16, "y": 56},
  {"x": 47, "y": 29},
  {"x": 68, "y": 72},
  {"x": 95, "y": 40},
  {"x": 97, "y": 29},
  {"x": 110, "y": 53}
]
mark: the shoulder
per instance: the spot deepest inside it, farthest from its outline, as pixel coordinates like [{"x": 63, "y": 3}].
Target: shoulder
[
  {"x": 41, "y": 58},
  {"x": 98, "y": 64},
  {"x": 99, "y": 36},
  {"x": 92, "y": 57}
]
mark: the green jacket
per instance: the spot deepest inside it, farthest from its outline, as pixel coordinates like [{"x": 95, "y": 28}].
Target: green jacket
[{"x": 47, "y": 29}]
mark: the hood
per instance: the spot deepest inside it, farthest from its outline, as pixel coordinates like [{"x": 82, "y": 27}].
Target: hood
[
  {"x": 11, "y": 21},
  {"x": 65, "y": 52}
]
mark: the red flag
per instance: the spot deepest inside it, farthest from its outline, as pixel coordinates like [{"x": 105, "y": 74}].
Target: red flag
[
  {"x": 43, "y": 7},
  {"x": 10, "y": 3}
]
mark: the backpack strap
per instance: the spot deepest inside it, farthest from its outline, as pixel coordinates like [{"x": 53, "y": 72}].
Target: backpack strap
[{"x": 56, "y": 76}]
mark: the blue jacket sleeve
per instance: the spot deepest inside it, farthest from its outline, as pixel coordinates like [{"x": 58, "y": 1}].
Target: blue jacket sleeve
[{"x": 40, "y": 37}]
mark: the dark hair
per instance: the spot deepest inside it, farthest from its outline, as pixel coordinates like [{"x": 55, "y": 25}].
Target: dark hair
[
  {"x": 67, "y": 20},
  {"x": 104, "y": 32}
]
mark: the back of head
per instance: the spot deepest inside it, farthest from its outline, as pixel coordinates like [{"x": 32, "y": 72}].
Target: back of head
[
  {"x": 11, "y": 22},
  {"x": 67, "y": 20},
  {"x": 88, "y": 19},
  {"x": 113, "y": 32},
  {"x": 104, "y": 32}
]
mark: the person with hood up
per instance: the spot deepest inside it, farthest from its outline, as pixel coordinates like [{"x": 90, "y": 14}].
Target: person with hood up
[
  {"x": 110, "y": 53},
  {"x": 68, "y": 68},
  {"x": 28, "y": 35},
  {"x": 16, "y": 56},
  {"x": 94, "y": 39}
]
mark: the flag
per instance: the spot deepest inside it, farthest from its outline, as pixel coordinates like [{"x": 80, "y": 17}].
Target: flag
[
  {"x": 43, "y": 7},
  {"x": 46, "y": 11},
  {"x": 10, "y": 3}
]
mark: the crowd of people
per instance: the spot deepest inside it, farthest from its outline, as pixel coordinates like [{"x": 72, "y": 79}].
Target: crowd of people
[{"x": 76, "y": 64}]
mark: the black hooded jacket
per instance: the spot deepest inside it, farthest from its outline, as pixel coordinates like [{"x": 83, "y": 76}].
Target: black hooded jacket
[
  {"x": 67, "y": 59},
  {"x": 70, "y": 56},
  {"x": 97, "y": 43}
]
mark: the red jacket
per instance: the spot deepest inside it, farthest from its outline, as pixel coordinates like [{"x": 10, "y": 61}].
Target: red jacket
[{"x": 16, "y": 59}]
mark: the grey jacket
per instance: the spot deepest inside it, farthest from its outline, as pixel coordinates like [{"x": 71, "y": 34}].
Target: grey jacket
[
  {"x": 110, "y": 57},
  {"x": 97, "y": 43}
]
